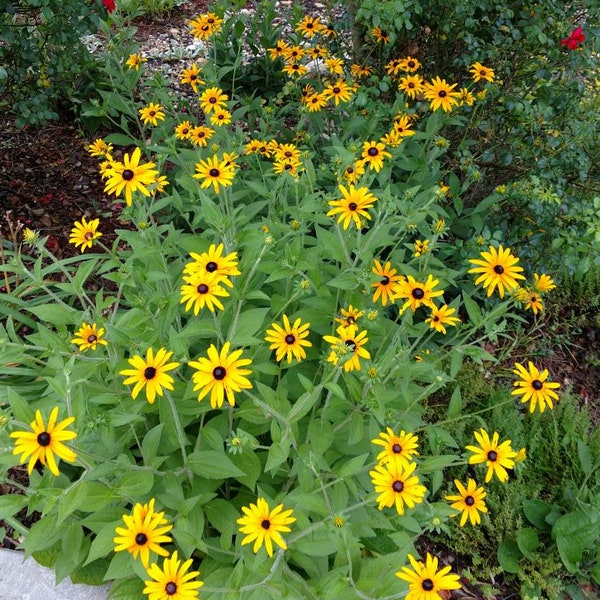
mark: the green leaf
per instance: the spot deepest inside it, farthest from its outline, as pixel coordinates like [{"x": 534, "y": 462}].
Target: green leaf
[
  {"x": 221, "y": 514},
  {"x": 250, "y": 464},
  {"x": 434, "y": 463},
  {"x": 536, "y": 512},
  {"x": 135, "y": 483},
  {"x": 11, "y": 504},
  {"x": 352, "y": 466},
  {"x": 127, "y": 589},
  {"x": 57, "y": 314},
  {"x": 585, "y": 458},
  {"x": 574, "y": 532},
  {"x": 91, "y": 574},
  {"x": 509, "y": 556},
  {"x": 278, "y": 454},
  {"x": 304, "y": 404},
  {"x": 249, "y": 323},
  {"x": 42, "y": 535},
  {"x": 103, "y": 545},
  {"x": 472, "y": 310},
  {"x": 212, "y": 464},
  {"x": 19, "y": 406},
  {"x": 528, "y": 541},
  {"x": 151, "y": 443},
  {"x": 456, "y": 404}
]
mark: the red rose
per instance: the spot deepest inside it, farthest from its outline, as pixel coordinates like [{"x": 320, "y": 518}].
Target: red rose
[
  {"x": 572, "y": 42},
  {"x": 109, "y": 5}
]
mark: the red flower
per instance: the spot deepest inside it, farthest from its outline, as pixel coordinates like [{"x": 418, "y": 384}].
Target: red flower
[
  {"x": 577, "y": 37},
  {"x": 110, "y": 5}
]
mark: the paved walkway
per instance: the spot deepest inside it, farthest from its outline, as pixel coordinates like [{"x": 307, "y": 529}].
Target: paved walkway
[{"x": 29, "y": 581}]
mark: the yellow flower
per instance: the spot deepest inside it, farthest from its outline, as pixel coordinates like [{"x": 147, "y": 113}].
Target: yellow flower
[
  {"x": 534, "y": 387},
  {"x": 100, "y": 148},
  {"x": 205, "y": 25},
  {"x": 289, "y": 340},
  {"x": 417, "y": 293},
  {"x": 143, "y": 533},
  {"x": 543, "y": 283},
  {"x": 497, "y": 268},
  {"x": 264, "y": 526},
  {"x": 387, "y": 282},
  {"x": 173, "y": 581},
  {"x": 135, "y": 61},
  {"x": 373, "y": 154},
  {"x": 479, "y": 72},
  {"x": 214, "y": 171},
  {"x": 88, "y": 336},
  {"x": 150, "y": 372},
  {"x": 497, "y": 457},
  {"x": 222, "y": 374},
  {"x": 380, "y": 35},
  {"x": 412, "y": 85},
  {"x": 349, "y": 345},
  {"x": 441, "y": 94},
  {"x": 213, "y": 261},
  {"x": 45, "y": 441},
  {"x": 153, "y": 113},
  {"x": 349, "y": 316},
  {"x": 397, "y": 485},
  {"x": 470, "y": 501},
  {"x": 425, "y": 581},
  {"x": 340, "y": 91},
  {"x": 352, "y": 206},
  {"x": 203, "y": 289},
  {"x": 396, "y": 447},
  {"x": 213, "y": 99},
  {"x": 191, "y": 75},
  {"x": 421, "y": 247},
  {"x": 30, "y": 236},
  {"x": 308, "y": 26},
  {"x": 442, "y": 316},
  {"x": 130, "y": 176},
  {"x": 84, "y": 233}
]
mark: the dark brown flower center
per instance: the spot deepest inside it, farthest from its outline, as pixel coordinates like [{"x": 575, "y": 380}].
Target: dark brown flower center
[
  {"x": 482, "y": 73},
  {"x": 536, "y": 384},
  {"x": 411, "y": 64},
  {"x": 219, "y": 373},
  {"x": 171, "y": 588},
  {"x": 193, "y": 77},
  {"x": 89, "y": 235},
  {"x": 152, "y": 113},
  {"x": 212, "y": 100},
  {"x": 92, "y": 338},
  {"x": 127, "y": 174},
  {"x": 265, "y": 524},
  {"x": 149, "y": 373},
  {"x": 352, "y": 206},
  {"x": 385, "y": 280},
  {"x": 492, "y": 456},
  {"x": 397, "y": 449},
  {"x": 398, "y": 486},
  {"x": 372, "y": 151},
  {"x": 411, "y": 85},
  {"x": 141, "y": 539},
  {"x": 418, "y": 293},
  {"x": 202, "y": 289},
  {"x": 336, "y": 90},
  {"x": 214, "y": 172},
  {"x": 351, "y": 344},
  {"x": 435, "y": 319},
  {"x": 498, "y": 269},
  {"x": 442, "y": 93},
  {"x": 469, "y": 500},
  {"x": 427, "y": 585},
  {"x": 290, "y": 338},
  {"x": 211, "y": 266},
  {"x": 43, "y": 439},
  {"x": 350, "y": 320}
]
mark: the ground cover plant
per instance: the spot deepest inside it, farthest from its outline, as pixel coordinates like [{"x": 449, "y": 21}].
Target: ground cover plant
[{"x": 294, "y": 374}]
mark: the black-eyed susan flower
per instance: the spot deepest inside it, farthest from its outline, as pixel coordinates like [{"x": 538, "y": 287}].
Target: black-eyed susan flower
[
  {"x": 352, "y": 173},
  {"x": 264, "y": 526},
  {"x": 151, "y": 373},
  {"x": 84, "y": 233},
  {"x": 534, "y": 387},
  {"x": 397, "y": 485},
  {"x": 200, "y": 134},
  {"x": 409, "y": 64},
  {"x": 339, "y": 91},
  {"x": 360, "y": 71},
  {"x": 100, "y": 149},
  {"x": 220, "y": 117},
  {"x": 469, "y": 501},
  {"x": 353, "y": 206},
  {"x": 183, "y": 130},
  {"x": 441, "y": 94},
  {"x": 130, "y": 176},
  {"x": 381, "y": 36},
  {"x": 143, "y": 533},
  {"x": 530, "y": 299},
  {"x": 349, "y": 347},
  {"x": 466, "y": 97},
  {"x": 214, "y": 171},
  {"x": 315, "y": 102},
  {"x": 412, "y": 85},
  {"x": 497, "y": 269},
  {"x": 318, "y": 51},
  {"x": 543, "y": 283},
  {"x": 479, "y": 73},
  {"x": 88, "y": 337},
  {"x": 205, "y": 25},
  {"x": 202, "y": 289},
  {"x": 442, "y": 316},
  {"x": 279, "y": 50},
  {"x": 135, "y": 61},
  {"x": 417, "y": 293},
  {"x": 335, "y": 65},
  {"x": 425, "y": 581},
  {"x": 191, "y": 75},
  {"x": 153, "y": 113},
  {"x": 396, "y": 447},
  {"x": 290, "y": 340},
  {"x": 392, "y": 139},
  {"x": 373, "y": 154},
  {"x": 222, "y": 374},
  {"x": 403, "y": 125},
  {"x": 290, "y": 166},
  {"x": 295, "y": 70},
  {"x": 286, "y": 152},
  {"x": 294, "y": 54},
  {"x": 497, "y": 457},
  {"x": 421, "y": 247},
  {"x": 45, "y": 441},
  {"x": 388, "y": 280},
  {"x": 213, "y": 261},
  {"x": 173, "y": 581},
  {"x": 349, "y": 316},
  {"x": 213, "y": 99},
  {"x": 308, "y": 26}
]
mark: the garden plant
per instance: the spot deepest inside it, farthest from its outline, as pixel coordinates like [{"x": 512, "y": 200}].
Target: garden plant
[{"x": 303, "y": 367}]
